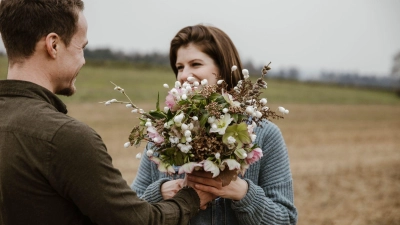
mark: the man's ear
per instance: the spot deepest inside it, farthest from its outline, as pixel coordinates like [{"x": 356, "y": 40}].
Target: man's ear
[{"x": 53, "y": 42}]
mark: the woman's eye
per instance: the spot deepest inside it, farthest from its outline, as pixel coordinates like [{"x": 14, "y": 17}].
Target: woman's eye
[
  {"x": 196, "y": 64},
  {"x": 179, "y": 68}
]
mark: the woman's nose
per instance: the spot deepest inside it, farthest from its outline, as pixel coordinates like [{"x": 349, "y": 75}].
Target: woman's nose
[{"x": 183, "y": 76}]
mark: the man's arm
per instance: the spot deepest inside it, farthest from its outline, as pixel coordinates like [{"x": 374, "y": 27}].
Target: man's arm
[{"x": 81, "y": 171}]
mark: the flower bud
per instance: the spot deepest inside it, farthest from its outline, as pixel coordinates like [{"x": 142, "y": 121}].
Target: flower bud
[
  {"x": 234, "y": 68},
  {"x": 263, "y": 101},
  {"x": 127, "y": 144},
  {"x": 184, "y": 127},
  {"x": 188, "y": 133},
  {"x": 166, "y": 109},
  {"x": 220, "y": 82},
  {"x": 217, "y": 155},
  {"x": 149, "y": 153},
  {"x": 139, "y": 155},
  {"x": 129, "y": 106},
  {"x": 134, "y": 111},
  {"x": 225, "y": 110},
  {"x": 195, "y": 118},
  {"x": 245, "y": 72},
  {"x": 196, "y": 84},
  {"x": 184, "y": 96},
  {"x": 166, "y": 85},
  {"x": 204, "y": 82},
  {"x": 177, "y": 84},
  {"x": 191, "y": 79}
]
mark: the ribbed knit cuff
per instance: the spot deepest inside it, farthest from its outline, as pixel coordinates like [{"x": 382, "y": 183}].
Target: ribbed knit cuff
[
  {"x": 153, "y": 191},
  {"x": 250, "y": 196}
]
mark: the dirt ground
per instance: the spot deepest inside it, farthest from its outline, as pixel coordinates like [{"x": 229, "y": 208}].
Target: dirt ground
[{"x": 345, "y": 159}]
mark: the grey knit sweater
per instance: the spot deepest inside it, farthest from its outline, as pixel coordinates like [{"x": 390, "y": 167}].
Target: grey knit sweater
[{"x": 269, "y": 199}]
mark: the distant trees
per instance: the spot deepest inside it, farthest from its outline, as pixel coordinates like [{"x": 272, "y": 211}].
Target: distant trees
[{"x": 396, "y": 65}]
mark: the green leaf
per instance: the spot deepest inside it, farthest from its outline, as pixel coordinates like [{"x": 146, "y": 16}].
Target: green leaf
[
  {"x": 158, "y": 114},
  {"x": 158, "y": 101},
  {"x": 239, "y": 132},
  {"x": 203, "y": 119}
]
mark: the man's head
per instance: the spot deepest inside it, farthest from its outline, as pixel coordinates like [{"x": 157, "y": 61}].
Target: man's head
[
  {"x": 24, "y": 22},
  {"x": 46, "y": 38}
]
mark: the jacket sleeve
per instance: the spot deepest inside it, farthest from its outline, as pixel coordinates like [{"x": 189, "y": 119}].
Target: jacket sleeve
[
  {"x": 81, "y": 171},
  {"x": 147, "y": 184},
  {"x": 271, "y": 200}
]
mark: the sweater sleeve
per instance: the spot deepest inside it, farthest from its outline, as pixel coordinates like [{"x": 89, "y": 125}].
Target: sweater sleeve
[
  {"x": 147, "y": 184},
  {"x": 271, "y": 200},
  {"x": 81, "y": 171}
]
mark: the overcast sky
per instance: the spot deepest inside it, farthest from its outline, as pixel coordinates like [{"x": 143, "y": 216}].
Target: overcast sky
[{"x": 343, "y": 35}]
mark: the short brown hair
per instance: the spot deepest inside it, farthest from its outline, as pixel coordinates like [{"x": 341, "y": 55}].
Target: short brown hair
[
  {"x": 24, "y": 22},
  {"x": 213, "y": 42}
]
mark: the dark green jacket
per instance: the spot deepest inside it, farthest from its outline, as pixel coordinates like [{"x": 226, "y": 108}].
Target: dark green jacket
[{"x": 56, "y": 170}]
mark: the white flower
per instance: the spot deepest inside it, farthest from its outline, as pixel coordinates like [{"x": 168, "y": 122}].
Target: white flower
[
  {"x": 245, "y": 72},
  {"x": 220, "y": 82},
  {"x": 209, "y": 166},
  {"x": 211, "y": 119},
  {"x": 204, "y": 82},
  {"x": 196, "y": 84},
  {"x": 129, "y": 106},
  {"x": 231, "y": 140},
  {"x": 127, "y": 144},
  {"x": 191, "y": 79},
  {"x": 188, "y": 167},
  {"x": 234, "y": 68},
  {"x": 188, "y": 139},
  {"x": 253, "y": 137},
  {"x": 250, "y": 109},
  {"x": 263, "y": 101},
  {"x": 258, "y": 114},
  {"x": 166, "y": 109},
  {"x": 149, "y": 153},
  {"x": 222, "y": 124},
  {"x": 184, "y": 147},
  {"x": 139, "y": 155},
  {"x": 134, "y": 111},
  {"x": 174, "y": 92},
  {"x": 217, "y": 155},
  {"x": 184, "y": 96},
  {"x": 283, "y": 110},
  {"x": 241, "y": 153},
  {"x": 188, "y": 133},
  {"x": 173, "y": 140},
  {"x": 177, "y": 84},
  {"x": 225, "y": 110},
  {"x": 166, "y": 85},
  {"x": 178, "y": 119},
  {"x": 148, "y": 124},
  {"x": 195, "y": 118},
  {"x": 232, "y": 164},
  {"x": 184, "y": 126}
]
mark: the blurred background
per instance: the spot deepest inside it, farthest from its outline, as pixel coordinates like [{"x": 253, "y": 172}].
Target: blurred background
[{"x": 335, "y": 66}]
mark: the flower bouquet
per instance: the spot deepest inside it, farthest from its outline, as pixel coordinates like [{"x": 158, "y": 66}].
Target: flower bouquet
[{"x": 204, "y": 126}]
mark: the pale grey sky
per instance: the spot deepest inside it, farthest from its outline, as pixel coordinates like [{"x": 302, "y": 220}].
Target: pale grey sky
[{"x": 343, "y": 35}]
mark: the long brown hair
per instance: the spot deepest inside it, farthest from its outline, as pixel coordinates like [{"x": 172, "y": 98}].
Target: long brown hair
[
  {"x": 24, "y": 22},
  {"x": 213, "y": 42}
]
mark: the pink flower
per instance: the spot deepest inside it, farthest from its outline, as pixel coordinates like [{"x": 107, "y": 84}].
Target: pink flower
[
  {"x": 154, "y": 135},
  {"x": 170, "y": 101},
  {"x": 254, "y": 155}
]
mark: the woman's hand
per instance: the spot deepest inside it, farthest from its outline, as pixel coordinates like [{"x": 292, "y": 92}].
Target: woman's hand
[
  {"x": 203, "y": 181},
  {"x": 170, "y": 188}
]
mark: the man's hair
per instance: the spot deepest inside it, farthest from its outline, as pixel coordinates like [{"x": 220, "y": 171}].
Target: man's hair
[
  {"x": 24, "y": 22},
  {"x": 213, "y": 42}
]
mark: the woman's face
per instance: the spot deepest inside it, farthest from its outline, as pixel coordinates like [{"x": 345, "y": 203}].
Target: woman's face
[{"x": 192, "y": 62}]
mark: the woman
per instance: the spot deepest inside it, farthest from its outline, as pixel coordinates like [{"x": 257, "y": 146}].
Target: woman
[{"x": 264, "y": 195}]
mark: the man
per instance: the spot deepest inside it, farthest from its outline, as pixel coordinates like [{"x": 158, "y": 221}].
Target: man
[{"x": 53, "y": 168}]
